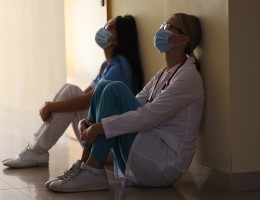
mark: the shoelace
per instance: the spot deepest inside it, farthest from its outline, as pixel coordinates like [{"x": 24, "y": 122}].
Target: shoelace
[
  {"x": 76, "y": 172},
  {"x": 71, "y": 174},
  {"x": 25, "y": 150},
  {"x": 67, "y": 172}
]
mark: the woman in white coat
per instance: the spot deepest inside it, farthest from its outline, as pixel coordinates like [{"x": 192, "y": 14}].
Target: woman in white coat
[{"x": 153, "y": 135}]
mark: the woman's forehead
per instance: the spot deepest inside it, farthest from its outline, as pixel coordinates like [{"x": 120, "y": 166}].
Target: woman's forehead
[
  {"x": 170, "y": 20},
  {"x": 112, "y": 21}
]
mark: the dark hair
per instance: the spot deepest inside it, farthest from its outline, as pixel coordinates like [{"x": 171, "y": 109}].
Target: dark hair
[{"x": 127, "y": 40}]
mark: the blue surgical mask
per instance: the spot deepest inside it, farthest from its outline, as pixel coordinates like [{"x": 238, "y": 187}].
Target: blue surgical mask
[
  {"x": 161, "y": 40},
  {"x": 102, "y": 37}
]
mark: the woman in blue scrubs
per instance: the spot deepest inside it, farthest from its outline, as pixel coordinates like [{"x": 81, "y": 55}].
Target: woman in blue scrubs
[{"x": 118, "y": 38}]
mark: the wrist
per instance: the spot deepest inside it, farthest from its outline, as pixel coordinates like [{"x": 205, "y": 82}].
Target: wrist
[
  {"x": 50, "y": 107},
  {"x": 100, "y": 129}
]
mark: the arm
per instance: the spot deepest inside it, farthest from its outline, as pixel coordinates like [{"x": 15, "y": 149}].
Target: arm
[
  {"x": 91, "y": 133},
  {"x": 182, "y": 91},
  {"x": 96, "y": 130},
  {"x": 144, "y": 94},
  {"x": 88, "y": 89},
  {"x": 68, "y": 105}
]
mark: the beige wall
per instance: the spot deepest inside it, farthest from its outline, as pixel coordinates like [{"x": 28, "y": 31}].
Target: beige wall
[
  {"x": 229, "y": 136},
  {"x": 83, "y": 56},
  {"x": 32, "y": 52}
]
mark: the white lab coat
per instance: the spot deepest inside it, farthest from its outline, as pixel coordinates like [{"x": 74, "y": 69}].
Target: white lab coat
[{"x": 167, "y": 128}]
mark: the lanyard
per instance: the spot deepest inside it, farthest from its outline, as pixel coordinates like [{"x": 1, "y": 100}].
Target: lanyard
[{"x": 166, "y": 84}]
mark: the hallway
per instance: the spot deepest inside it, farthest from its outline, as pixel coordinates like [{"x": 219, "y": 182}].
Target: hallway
[{"x": 23, "y": 184}]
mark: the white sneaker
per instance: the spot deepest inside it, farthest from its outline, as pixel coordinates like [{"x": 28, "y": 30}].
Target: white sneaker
[
  {"x": 27, "y": 158},
  {"x": 73, "y": 170},
  {"x": 87, "y": 179}
]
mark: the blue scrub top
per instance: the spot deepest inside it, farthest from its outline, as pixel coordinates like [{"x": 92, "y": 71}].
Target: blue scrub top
[{"x": 119, "y": 69}]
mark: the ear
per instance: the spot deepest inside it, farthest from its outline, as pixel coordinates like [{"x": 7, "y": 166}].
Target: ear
[
  {"x": 185, "y": 40},
  {"x": 113, "y": 39}
]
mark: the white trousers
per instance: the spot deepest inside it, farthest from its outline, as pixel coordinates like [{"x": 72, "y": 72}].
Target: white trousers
[{"x": 49, "y": 134}]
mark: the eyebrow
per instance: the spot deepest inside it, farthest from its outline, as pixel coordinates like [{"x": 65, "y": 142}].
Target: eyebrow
[
  {"x": 177, "y": 29},
  {"x": 109, "y": 24}
]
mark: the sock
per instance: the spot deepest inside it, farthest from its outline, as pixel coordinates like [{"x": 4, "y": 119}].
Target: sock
[{"x": 92, "y": 169}]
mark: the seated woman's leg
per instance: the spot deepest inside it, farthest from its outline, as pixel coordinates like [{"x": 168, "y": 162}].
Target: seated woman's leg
[
  {"x": 111, "y": 98},
  {"x": 48, "y": 134},
  {"x": 121, "y": 149}
]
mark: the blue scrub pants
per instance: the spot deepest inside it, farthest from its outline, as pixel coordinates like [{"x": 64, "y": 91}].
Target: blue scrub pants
[{"x": 112, "y": 98}]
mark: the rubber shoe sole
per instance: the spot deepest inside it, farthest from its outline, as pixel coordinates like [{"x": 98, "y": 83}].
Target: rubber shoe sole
[
  {"x": 27, "y": 165},
  {"x": 80, "y": 189}
]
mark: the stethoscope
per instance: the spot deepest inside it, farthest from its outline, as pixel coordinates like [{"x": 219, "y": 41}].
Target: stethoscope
[{"x": 167, "y": 83}]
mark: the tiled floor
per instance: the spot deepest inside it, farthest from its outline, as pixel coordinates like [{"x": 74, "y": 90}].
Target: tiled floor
[{"x": 16, "y": 131}]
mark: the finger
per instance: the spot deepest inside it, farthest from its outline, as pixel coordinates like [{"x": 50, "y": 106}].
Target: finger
[
  {"x": 43, "y": 117},
  {"x": 80, "y": 124},
  {"x": 89, "y": 124},
  {"x": 82, "y": 129},
  {"x": 49, "y": 118},
  {"x": 81, "y": 121},
  {"x": 83, "y": 137},
  {"x": 85, "y": 123},
  {"x": 84, "y": 134}
]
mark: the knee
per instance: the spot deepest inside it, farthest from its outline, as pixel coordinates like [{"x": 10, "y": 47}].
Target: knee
[
  {"x": 99, "y": 90},
  {"x": 109, "y": 88},
  {"x": 71, "y": 87},
  {"x": 116, "y": 87},
  {"x": 69, "y": 90},
  {"x": 101, "y": 85}
]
